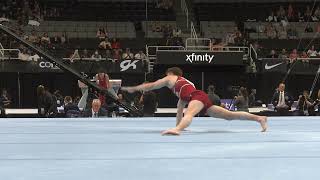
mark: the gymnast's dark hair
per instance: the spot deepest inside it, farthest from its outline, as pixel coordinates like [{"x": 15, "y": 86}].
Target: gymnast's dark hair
[{"x": 175, "y": 70}]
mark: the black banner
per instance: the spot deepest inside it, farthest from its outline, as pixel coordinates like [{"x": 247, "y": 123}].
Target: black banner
[
  {"x": 274, "y": 65},
  {"x": 86, "y": 66},
  {"x": 282, "y": 66},
  {"x": 199, "y": 58}
]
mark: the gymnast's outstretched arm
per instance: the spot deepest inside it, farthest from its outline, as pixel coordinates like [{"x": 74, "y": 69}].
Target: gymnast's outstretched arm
[{"x": 148, "y": 86}]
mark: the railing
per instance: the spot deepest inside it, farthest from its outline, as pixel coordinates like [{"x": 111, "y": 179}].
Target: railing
[
  {"x": 5, "y": 51},
  {"x": 1, "y": 50},
  {"x": 151, "y": 51},
  {"x": 184, "y": 9}
]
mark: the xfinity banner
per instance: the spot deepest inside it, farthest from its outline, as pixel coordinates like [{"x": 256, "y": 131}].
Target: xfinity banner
[
  {"x": 124, "y": 66},
  {"x": 199, "y": 58}
]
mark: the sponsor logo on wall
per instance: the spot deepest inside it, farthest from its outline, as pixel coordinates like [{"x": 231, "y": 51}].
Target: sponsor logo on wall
[
  {"x": 48, "y": 65},
  {"x": 127, "y": 64},
  {"x": 194, "y": 58}
]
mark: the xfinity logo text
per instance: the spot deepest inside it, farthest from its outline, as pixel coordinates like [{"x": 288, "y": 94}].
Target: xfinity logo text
[
  {"x": 48, "y": 65},
  {"x": 199, "y": 58},
  {"x": 125, "y": 65}
]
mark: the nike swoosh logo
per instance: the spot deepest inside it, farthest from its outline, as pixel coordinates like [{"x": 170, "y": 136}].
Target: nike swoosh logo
[{"x": 267, "y": 67}]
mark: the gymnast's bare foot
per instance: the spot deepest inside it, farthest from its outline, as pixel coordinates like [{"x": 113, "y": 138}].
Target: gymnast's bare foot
[
  {"x": 263, "y": 122},
  {"x": 172, "y": 131}
]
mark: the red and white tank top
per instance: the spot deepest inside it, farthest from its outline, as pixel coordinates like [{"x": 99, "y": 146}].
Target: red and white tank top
[{"x": 183, "y": 88}]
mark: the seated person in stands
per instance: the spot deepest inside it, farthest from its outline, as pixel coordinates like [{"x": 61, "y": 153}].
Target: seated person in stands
[
  {"x": 105, "y": 44},
  {"x": 281, "y": 100},
  {"x": 96, "y": 55},
  {"x": 47, "y": 104},
  {"x": 140, "y": 55},
  {"x": 96, "y": 110},
  {"x": 45, "y": 39},
  {"x": 115, "y": 44},
  {"x": 70, "y": 108},
  {"x": 5, "y": 99},
  {"x": 101, "y": 33},
  {"x": 127, "y": 54},
  {"x": 149, "y": 104},
  {"x": 252, "y": 98},
  {"x": 312, "y": 52},
  {"x": 214, "y": 98},
  {"x": 293, "y": 55},
  {"x": 304, "y": 104},
  {"x": 242, "y": 100},
  {"x": 272, "y": 54}
]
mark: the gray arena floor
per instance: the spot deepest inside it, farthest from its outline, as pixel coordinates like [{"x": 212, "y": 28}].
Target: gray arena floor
[{"x": 133, "y": 149}]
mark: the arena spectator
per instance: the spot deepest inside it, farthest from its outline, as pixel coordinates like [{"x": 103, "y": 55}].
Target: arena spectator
[
  {"x": 293, "y": 55},
  {"x": 45, "y": 39},
  {"x": 105, "y": 44},
  {"x": 115, "y": 44},
  {"x": 304, "y": 104},
  {"x": 272, "y": 18},
  {"x": 307, "y": 14},
  {"x": 70, "y": 108},
  {"x": 156, "y": 27},
  {"x": 140, "y": 55},
  {"x": 63, "y": 39},
  {"x": 96, "y": 55},
  {"x": 242, "y": 100},
  {"x": 312, "y": 52},
  {"x": 252, "y": 98},
  {"x": 214, "y": 98},
  {"x": 316, "y": 14},
  {"x": 271, "y": 31},
  {"x": 282, "y": 34},
  {"x": 5, "y": 99},
  {"x": 281, "y": 100},
  {"x": 101, "y": 33},
  {"x": 103, "y": 80},
  {"x": 59, "y": 98},
  {"x": 290, "y": 14},
  {"x": 304, "y": 55},
  {"x": 56, "y": 39},
  {"x": 283, "y": 54},
  {"x": 176, "y": 32},
  {"x": 149, "y": 104},
  {"x": 33, "y": 38},
  {"x": 272, "y": 54},
  {"x": 85, "y": 54},
  {"x": 300, "y": 17},
  {"x": 281, "y": 13},
  {"x": 23, "y": 55},
  {"x": 116, "y": 54},
  {"x": 96, "y": 110},
  {"x": 108, "y": 54},
  {"x": 47, "y": 104},
  {"x": 292, "y": 33},
  {"x": 127, "y": 54},
  {"x": 167, "y": 31}
]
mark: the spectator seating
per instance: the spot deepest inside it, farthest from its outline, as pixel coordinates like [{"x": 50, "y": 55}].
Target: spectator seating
[
  {"x": 217, "y": 29},
  {"x": 148, "y": 27},
  {"x": 85, "y": 29}
]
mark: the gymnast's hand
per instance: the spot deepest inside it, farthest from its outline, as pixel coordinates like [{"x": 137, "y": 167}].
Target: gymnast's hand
[
  {"x": 172, "y": 131},
  {"x": 128, "y": 89}
]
